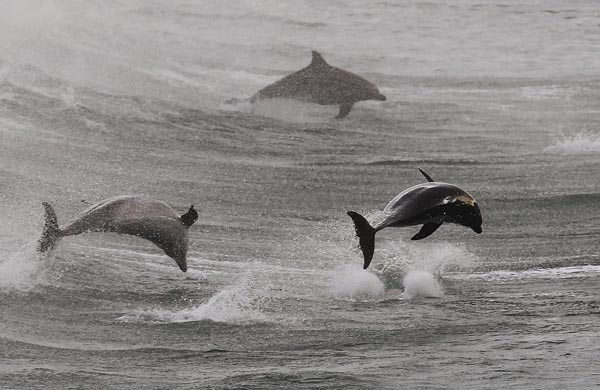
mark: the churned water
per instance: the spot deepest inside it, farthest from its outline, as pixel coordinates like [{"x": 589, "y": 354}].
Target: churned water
[{"x": 128, "y": 97}]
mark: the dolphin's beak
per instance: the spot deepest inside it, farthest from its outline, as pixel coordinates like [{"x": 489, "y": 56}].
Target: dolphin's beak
[
  {"x": 477, "y": 229},
  {"x": 182, "y": 264},
  {"x": 381, "y": 97}
]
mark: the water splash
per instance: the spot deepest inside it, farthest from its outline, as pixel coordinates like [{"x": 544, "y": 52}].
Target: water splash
[
  {"x": 22, "y": 269},
  {"x": 351, "y": 282},
  {"x": 581, "y": 143},
  {"x": 401, "y": 258},
  {"x": 419, "y": 283}
]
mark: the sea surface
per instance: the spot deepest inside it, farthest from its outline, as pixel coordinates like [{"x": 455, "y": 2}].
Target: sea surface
[{"x": 502, "y": 98}]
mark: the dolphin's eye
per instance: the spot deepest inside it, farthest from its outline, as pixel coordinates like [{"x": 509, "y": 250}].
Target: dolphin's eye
[{"x": 449, "y": 199}]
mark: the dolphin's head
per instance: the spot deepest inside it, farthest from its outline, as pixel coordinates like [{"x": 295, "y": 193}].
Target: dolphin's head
[
  {"x": 474, "y": 218},
  {"x": 468, "y": 214},
  {"x": 381, "y": 97},
  {"x": 178, "y": 252},
  {"x": 372, "y": 93}
]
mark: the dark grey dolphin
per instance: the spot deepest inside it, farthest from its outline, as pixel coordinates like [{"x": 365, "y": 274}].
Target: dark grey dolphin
[
  {"x": 323, "y": 84},
  {"x": 430, "y": 204},
  {"x": 134, "y": 215}
]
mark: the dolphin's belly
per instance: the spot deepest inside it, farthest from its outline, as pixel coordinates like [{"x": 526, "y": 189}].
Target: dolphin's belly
[
  {"x": 399, "y": 220},
  {"x": 158, "y": 230}
]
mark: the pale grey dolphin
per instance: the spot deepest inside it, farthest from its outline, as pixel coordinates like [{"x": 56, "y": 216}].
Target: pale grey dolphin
[
  {"x": 322, "y": 84},
  {"x": 134, "y": 215}
]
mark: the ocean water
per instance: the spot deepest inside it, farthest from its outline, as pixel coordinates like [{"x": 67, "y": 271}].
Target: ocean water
[{"x": 128, "y": 97}]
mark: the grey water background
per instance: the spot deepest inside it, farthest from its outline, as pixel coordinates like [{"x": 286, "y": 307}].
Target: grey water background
[{"x": 126, "y": 97}]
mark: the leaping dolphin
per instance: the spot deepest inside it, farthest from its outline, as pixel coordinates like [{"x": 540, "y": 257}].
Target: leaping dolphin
[
  {"x": 322, "y": 84},
  {"x": 430, "y": 204},
  {"x": 134, "y": 215}
]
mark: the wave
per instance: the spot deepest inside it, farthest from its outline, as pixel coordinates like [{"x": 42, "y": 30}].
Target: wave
[
  {"x": 546, "y": 92},
  {"x": 582, "y": 271},
  {"x": 306, "y": 378},
  {"x": 428, "y": 162},
  {"x": 545, "y": 201}
]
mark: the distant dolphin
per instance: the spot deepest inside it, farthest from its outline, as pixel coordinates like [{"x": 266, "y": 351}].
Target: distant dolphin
[
  {"x": 134, "y": 215},
  {"x": 430, "y": 204},
  {"x": 322, "y": 84}
]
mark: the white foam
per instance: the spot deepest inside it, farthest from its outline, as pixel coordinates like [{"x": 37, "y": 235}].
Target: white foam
[
  {"x": 419, "y": 283},
  {"x": 233, "y": 305},
  {"x": 581, "y": 143},
  {"x": 354, "y": 283}
]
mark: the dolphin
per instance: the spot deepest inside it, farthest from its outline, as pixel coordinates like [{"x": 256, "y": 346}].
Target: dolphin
[
  {"x": 134, "y": 215},
  {"x": 430, "y": 204},
  {"x": 322, "y": 84}
]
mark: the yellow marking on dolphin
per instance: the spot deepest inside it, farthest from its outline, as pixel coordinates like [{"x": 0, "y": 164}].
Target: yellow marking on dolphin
[{"x": 466, "y": 199}]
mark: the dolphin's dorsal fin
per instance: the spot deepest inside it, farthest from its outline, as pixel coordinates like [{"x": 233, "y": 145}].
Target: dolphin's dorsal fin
[
  {"x": 426, "y": 175},
  {"x": 190, "y": 217},
  {"x": 317, "y": 59}
]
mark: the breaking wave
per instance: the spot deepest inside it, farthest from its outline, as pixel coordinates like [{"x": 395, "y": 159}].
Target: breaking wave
[{"x": 234, "y": 305}]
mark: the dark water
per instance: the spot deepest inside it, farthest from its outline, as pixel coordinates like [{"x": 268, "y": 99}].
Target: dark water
[{"x": 128, "y": 100}]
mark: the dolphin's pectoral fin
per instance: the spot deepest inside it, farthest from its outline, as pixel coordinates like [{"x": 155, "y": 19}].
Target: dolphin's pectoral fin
[
  {"x": 344, "y": 110},
  {"x": 426, "y": 175},
  {"x": 427, "y": 230}
]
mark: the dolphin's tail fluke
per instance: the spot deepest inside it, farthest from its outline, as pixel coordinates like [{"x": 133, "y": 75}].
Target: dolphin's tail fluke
[
  {"x": 366, "y": 236},
  {"x": 51, "y": 233}
]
